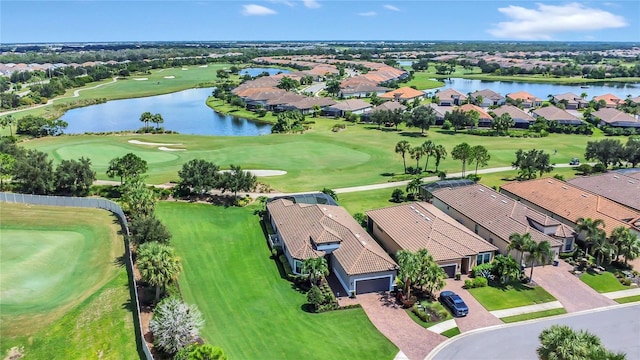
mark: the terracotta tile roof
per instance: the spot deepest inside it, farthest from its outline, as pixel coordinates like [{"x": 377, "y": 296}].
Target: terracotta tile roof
[
  {"x": 621, "y": 188},
  {"x": 610, "y": 99},
  {"x": 351, "y": 105},
  {"x": 496, "y": 212},
  {"x": 285, "y": 98},
  {"x": 297, "y": 224},
  {"x": 525, "y": 96},
  {"x": 515, "y": 113},
  {"x": 309, "y": 102},
  {"x": 470, "y": 107},
  {"x": 449, "y": 94},
  {"x": 552, "y": 113},
  {"x": 405, "y": 93},
  {"x": 613, "y": 116},
  {"x": 421, "y": 225},
  {"x": 571, "y": 98},
  {"x": 571, "y": 202}
]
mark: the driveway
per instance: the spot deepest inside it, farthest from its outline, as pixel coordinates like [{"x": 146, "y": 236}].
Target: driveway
[
  {"x": 478, "y": 316},
  {"x": 394, "y": 323},
  {"x": 572, "y": 293}
]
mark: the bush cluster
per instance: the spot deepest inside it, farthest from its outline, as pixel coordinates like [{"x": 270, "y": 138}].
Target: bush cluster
[{"x": 476, "y": 282}]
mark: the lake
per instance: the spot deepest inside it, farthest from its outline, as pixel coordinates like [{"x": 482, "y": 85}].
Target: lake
[
  {"x": 257, "y": 71},
  {"x": 541, "y": 90},
  {"x": 183, "y": 111}
]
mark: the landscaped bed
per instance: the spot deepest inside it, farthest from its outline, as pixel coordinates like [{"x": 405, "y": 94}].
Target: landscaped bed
[
  {"x": 250, "y": 309},
  {"x": 494, "y": 297},
  {"x": 434, "y": 311}
]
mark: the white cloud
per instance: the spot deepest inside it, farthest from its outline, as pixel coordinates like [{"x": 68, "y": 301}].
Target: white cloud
[
  {"x": 284, "y": 2},
  {"x": 311, "y": 4},
  {"x": 547, "y": 20},
  {"x": 391, "y": 7},
  {"x": 368, "y": 13},
  {"x": 256, "y": 10}
]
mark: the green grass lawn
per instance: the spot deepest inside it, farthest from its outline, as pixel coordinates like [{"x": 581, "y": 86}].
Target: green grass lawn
[
  {"x": 602, "y": 283},
  {"x": 451, "y": 332},
  {"x": 320, "y": 158},
  {"x": 628, "y": 299},
  {"x": 361, "y": 201},
  {"x": 64, "y": 292},
  {"x": 533, "y": 315},
  {"x": 249, "y": 309},
  {"x": 514, "y": 295}
]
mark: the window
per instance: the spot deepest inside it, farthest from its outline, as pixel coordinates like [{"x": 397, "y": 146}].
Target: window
[
  {"x": 483, "y": 258},
  {"x": 297, "y": 264},
  {"x": 476, "y": 229},
  {"x": 568, "y": 244}
]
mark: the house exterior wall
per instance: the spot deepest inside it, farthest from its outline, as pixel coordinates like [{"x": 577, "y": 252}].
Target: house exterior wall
[
  {"x": 384, "y": 239},
  {"x": 349, "y": 281}
]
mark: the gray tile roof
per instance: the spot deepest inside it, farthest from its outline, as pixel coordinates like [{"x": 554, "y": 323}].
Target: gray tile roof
[{"x": 621, "y": 188}]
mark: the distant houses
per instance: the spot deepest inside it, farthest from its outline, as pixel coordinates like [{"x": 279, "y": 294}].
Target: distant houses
[
  {"x": 520, "y": 118},
  {"x": 487, "y": 97},
  {"x": 524, "y": 99},
  {"x": 552, "y": 113},
  {"x": 615, "y": 118},
  {"x": 451, "y": 97},
  {"x": 571, "y": 101}
]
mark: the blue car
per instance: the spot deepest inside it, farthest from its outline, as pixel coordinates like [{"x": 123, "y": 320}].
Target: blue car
[{"x": 454, "y": 302}]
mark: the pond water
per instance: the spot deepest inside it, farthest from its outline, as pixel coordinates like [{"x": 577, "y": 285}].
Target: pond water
[
  {"x": 183, "y": 111},
  {"x": 465, "y": 86},
  {"x": 257, "y": 71}
]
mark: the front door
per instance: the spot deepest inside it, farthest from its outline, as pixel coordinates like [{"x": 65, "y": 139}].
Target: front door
[{"x": 465, "y": 265}]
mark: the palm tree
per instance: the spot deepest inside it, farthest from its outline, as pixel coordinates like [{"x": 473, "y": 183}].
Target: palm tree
[
  {"x": 538, "y": 252},
  {"x": 602, "y": 249},
  {"x": 8, "y": 121},
  {"x": 158, "y": 265},
  {"x": 480, "y": 155},
  {"x": 416, "y": 154},
  {"x": 506, "y": 268},
  {"x": 157, "y": 119},
  {"x": 440, "y": 153},
  {"x": 519, "y": 242},
  {"x": 628, "y": 245},
  {"x": 413, "y": 186},
  {"x": 462, "y": 152},
  {"x": 591, "y": 228},
  {"x": 409, "y": 269},
  {"x": 429, "y": 148},
  {"x": 402, "y": 147},
  {"x": 145, "y": 118},
  {"x": 317, "y": 268}
]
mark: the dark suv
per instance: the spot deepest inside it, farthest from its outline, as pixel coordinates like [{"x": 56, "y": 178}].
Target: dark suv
[
  {"x": 574, "y": 161},
  {"x": 454, "y": 302}
]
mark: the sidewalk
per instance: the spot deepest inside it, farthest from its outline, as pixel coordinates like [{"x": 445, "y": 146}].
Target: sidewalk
[
  {"x": 622, "y": 293},
  {"x": 526, "y": 309},
  {"x": 443, "y": 326}
]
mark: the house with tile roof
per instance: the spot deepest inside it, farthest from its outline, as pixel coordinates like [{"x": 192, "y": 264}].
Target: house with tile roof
[
  {"x": 495, "y": 217},
  {"x": 621, "y": 187},
  {"x": 489, "y": 98},
  {"x": 616, "y": 118},
  {"x": 520, "y": 118},
  {"x": 527, "y": 100},
  {"x": 402, "y": 94},
  {"x": 354, "y": 106},
  {"x": 450, "y": 97},
  {"x": 571, "y": 101},
  {"x": 322, "y": 230},
  {"x": 305, "y": 106},
  {"x": 484, "y": 119},
  {"x": 610, "y": 100},
  {"x": 360, "y": 87},
  {"x": 566, "y": 202},
  {"x": 420, "y": 225},
  {"x": 552, "y": 113}
]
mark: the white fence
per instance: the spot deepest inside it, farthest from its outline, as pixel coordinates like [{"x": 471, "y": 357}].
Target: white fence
[{"x": 97, "y": 203}]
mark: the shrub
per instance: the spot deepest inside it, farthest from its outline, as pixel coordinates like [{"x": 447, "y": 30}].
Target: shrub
[
  {"x": 458, "y": 276},
  {"x": 566, "y": 255},
  {"x": 422, "y": 315},
  {"x": 627, "y": 282},
  {"x": 447, "y": 125},
  {"x": 175, "y": 325},
  {"x": 599, "y": 168},
  {"x": 476, "y": 283},
  {"x": 585, "y": 169},
  {"x": 397, "y": 195},
  {"x": 468, "y": 284},
  {"x": 361, "y": 219},
  {"x": 480, "y": 270}
]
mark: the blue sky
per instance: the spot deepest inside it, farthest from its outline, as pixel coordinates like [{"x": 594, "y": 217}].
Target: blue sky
[{"x": 213, "y": 20}]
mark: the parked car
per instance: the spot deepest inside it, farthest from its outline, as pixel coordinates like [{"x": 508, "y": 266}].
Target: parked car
[
  {"x": 574, "y": 161},
  {"x": 454, "y": 302}
]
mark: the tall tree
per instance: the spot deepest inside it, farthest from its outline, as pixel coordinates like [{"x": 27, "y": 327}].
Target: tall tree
[
  {"x": 127, "y": 167},
  {"x": 7, "y": 162},
  {"x": 440, "y": 153},
  {"x": 602, "y": 249},
  {"x": 592, "y": 229},
  {"x": 463, "y": 153},
  {"x": 480, "y": 156},
  {"x": 146, "y": 229},
  {"x": 402, "y": 147},
  {"x": 627, "y": 243},
  {"x": 506, "y": 268},
  {"x": 236, "y": 180},
  {"x": 416, "y": 153},
  {"x": 607, "y": 151},
  {"x": 414, "y": 186},
  {"x": 429, "y": 149},
  {"x": 538, "y": 253},
  {"x": 316, "y": 268},
  {"x": 175, "y": 325},
  {"x": 8, "y": 121},
  {"x": 409, "y": 269},
  {"x": 430, "y": 274},
  {"x": 137, "y": 199},
  {"x": 157, "y": 119},
  {"x": 459, "y": 119},
  {"x": 333, "y": 87},
  {"x": 422, "y": 117},
  {"x": 330, "y": 192},
  {"x": 34, "y": 173},
  {"x": 502, "y": 123},
  {"x": 287, "y": 83},
  {"x": 158, "y": 265},
  {"x": 560, "y": 342},
  {"x": 74, "y": 177},
  {"x": 632, "y": 150},
  {"x": 519, "y": 242},
  {"x": 530, "y": 162},
  {"x": 199, "y": 176},
  {"x": 146, "y": 117}
]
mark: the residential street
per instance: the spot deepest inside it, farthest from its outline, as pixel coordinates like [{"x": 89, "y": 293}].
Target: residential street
[{"x": 618, "y": 328}]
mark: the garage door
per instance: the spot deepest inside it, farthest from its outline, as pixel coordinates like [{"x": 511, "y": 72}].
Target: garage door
[
  {"x": 450, "y": 270},
  {"x": 372, "y": 285}
]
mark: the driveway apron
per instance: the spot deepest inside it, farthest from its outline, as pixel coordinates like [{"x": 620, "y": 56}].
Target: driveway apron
[{"x": 478, "y": 316}]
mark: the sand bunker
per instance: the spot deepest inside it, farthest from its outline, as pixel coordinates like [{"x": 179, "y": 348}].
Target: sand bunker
[
  {"x": 137, "y": 142},
  {"x": 170, "y": 77},
  {"x": 140, "y": 79},
  {"x": 203, "y": 66},
  {"x": 169, "y": 149},
  {"x": 263, "y": 173},
  {"x": 185, "y": 69}
]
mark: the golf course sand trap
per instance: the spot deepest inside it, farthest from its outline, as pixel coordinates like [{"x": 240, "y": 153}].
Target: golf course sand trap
[
  {"x": 169, "y": 149},
  {"x": 184, "y": 69},
  {"x": 140, "y": 79},
  {"x": 203, "y": 66},
  {"x": 264, "y": 173},
  {"x": 138, "y": 142},
  {"x": 170, "y": 77}
]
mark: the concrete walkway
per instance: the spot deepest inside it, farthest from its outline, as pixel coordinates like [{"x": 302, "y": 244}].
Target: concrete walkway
[
  {"x": 443, "y": 326},
  {"x": 526, "y": 309},
  {"x": 622, "y": 293}
]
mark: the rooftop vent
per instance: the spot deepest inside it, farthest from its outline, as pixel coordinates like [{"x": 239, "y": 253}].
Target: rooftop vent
[
  {"x": 364, "y": 243},
  {"x": 412, "y": 207},
  {"x": 564, "y": 187},
  {"x": 504, "y": 201},
  {"x": 427, "y": 218},
  {"x": 481, "y": 190},
  {"x": 616, "y": 177},
  {"x": 493, "y": 196},
  {"x": 358, "y": 235},
  {"x": 550, "y": 182},
  {"x": 584, "y": 195},
  {"x": 630, "y": 181},
  {"x": 331, "y": 216}
]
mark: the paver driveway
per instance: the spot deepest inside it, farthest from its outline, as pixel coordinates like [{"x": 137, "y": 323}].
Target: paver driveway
[
  {"x": 572, "y": 293},
  {"x": 394, "y": 323},
  {"x": 478, "y": 316}
]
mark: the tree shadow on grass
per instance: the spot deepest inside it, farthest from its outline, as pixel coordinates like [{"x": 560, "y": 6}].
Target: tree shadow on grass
[
  {"x": 120, "y": 261},
  {"x": 413, "y": 134},
  {"x": 308, "y": 308}
]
